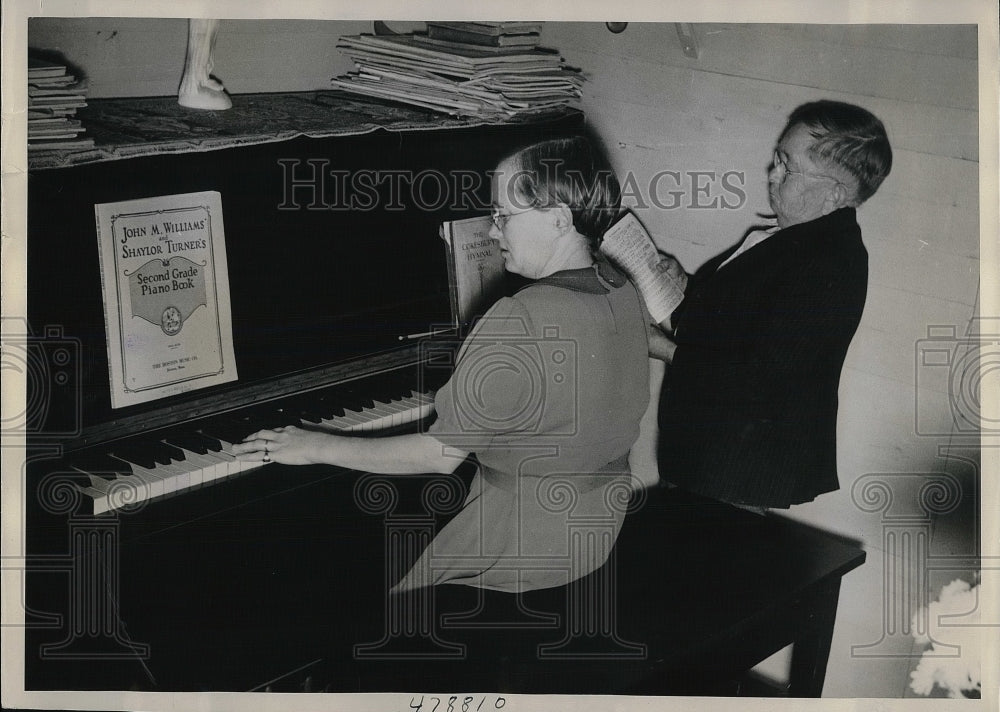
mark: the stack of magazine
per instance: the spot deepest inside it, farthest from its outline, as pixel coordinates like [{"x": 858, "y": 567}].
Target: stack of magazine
[
  {"x": 458, "y": 80},
  {"x": 54, "y": 95},
  {"x": 497, "y": 37}
]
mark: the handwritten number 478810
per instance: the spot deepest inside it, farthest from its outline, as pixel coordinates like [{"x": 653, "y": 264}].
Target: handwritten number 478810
[{"x": 466, "y": 705}]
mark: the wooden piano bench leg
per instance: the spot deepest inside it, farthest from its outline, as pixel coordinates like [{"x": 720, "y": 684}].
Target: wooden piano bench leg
[{"x": 811, "y": 650}]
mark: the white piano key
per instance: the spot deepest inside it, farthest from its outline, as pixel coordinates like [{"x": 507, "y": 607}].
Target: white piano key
[
  {"x": 101, "y": 484},
  {"x": 174, "y": 476},
  {"x": 100, "y": 499},
  {"x": 233, "y": 465},
  {"x": 221, "y": 462},
  {"x": 153, "y": 479},
  {"x": 379, "y": 410},
  {"x": 217, "y": 466},
  {"x": 111, "y": 492},
  {"x": 350, "y": 417},
  {"x": 197, "y": 469},
  {"x": 236, "y": 466},
  {"x": 408, "y": 415},
  {"x": 148, "y": 480}
]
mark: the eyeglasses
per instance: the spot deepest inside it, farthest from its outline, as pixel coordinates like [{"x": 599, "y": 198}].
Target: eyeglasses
[
  {"x": 501, "y": 219},
  {"x": 778, "y": 162}
]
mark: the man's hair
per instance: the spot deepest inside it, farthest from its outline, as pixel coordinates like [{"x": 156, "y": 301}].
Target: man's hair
[
  {"x": 847, "y": 136},
  {"x": 573, "y": 172}
]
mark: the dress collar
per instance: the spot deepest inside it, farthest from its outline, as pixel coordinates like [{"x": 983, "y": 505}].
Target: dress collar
[{"x": 599, "y": 278}]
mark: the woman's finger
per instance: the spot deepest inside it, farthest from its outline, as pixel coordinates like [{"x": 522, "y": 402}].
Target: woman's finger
[
  {"x": 253, "y": 444},
  {"x": 260, "y": 435}
]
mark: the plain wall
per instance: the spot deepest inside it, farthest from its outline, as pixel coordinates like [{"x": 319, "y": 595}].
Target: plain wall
[{"x": 720, "y": 113}]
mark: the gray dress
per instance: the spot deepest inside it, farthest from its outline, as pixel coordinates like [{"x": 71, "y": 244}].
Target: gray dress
[{"x": 547, "y": 392}]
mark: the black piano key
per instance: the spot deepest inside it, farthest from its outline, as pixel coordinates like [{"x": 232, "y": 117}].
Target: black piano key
[
  {"x": 99, "y": 463},
  {"x": 308, "y": 415},
  {"x": 140, "y": 454},
  {"x": 268, "y": 418},
  {"x": 294, "y": 403},
  {"x": 329, "y": 402},
  {"x": 175, "y": 453},
  {"x": 162, "y": 453},
  {"x": 394, "y": 397},
  {"x": 399, "y": 386},
  {"x": 400, "y": 381},
  {"x": 303, "y": 408},
  {"x": 211, "y": 444},
  {"x": 350, "y": 398},
  {"x": 230, "y": 429},
  {"x": 328, "y": 407},
  {"x": 190, "y": 441},
  {"x": 382, "y": 394}
]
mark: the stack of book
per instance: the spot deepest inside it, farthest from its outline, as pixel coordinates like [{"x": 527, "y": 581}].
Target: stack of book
[
  {"x": 496, "y": 37},
  {"x": 54, "y": 95},
  {"x": 462, "y": 81}
]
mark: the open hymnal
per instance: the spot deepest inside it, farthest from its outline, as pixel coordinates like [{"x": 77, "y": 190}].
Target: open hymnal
[
  {"x": 475, "y": 268},
  {"x": 630, "y": 247},
  {"x": 166, "y": 296}
]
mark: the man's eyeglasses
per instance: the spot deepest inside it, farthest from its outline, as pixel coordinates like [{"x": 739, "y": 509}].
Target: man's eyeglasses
[
  {"x": 778, "y": 162},
  {"x": 501, "y": 219}
]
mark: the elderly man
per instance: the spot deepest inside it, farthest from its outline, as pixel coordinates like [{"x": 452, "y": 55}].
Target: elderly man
[{"x": 748, "y": 408}]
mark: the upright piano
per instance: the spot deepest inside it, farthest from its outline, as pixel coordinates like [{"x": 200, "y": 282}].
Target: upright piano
[{"x": 227, "y": 578}]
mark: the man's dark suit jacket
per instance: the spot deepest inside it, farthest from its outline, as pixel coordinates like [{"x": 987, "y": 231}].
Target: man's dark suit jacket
[{"x": 748, "y": 410}]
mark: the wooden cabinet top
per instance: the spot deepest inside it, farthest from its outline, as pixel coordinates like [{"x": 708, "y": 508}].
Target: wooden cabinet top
[{"x": 131, "y": 127}]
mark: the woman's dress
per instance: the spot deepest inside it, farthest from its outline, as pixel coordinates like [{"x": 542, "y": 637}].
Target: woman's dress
[{"x": 547, "y": 391}]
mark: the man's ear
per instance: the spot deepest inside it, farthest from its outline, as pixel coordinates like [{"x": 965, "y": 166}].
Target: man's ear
[
  {"x": 838, "y": 197},
  {"x": 562, "y": 217}
]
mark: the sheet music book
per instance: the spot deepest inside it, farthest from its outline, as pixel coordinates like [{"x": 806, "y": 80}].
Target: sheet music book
[
  {"x": 630, "y": 247},
  {"x": 40, "y": 68},
  {"x": 475, "y": 267},
  {"x": 166, "y": 296}
]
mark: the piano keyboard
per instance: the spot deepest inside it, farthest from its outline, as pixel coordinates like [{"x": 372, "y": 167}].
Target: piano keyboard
[{"x": 135, "y": 470}]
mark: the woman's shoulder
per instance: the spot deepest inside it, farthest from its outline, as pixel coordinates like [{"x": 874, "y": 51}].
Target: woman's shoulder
[
  {"x": 544, "y": 302},
  {"x": 509, "y": 316}
]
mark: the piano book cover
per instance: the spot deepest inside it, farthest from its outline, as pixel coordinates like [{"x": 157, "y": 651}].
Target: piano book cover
[
  {"x": 166, "y": 296},
  {"x": 475, "y": 268}
]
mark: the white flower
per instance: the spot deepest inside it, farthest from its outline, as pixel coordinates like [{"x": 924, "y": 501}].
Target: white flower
[{"x": 951, "y": 626}]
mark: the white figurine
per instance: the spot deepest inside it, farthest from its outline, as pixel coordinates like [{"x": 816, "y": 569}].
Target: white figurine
[{"x": 198, "y": 90}]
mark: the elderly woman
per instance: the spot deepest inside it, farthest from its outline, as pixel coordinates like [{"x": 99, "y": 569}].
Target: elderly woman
[{"x": 547, "y": 393}]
